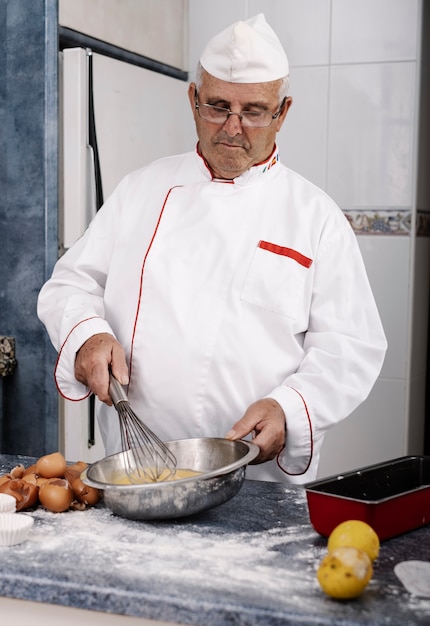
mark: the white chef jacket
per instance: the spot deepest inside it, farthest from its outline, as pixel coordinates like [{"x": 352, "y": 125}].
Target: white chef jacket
[{"x": 221, "y": 293}]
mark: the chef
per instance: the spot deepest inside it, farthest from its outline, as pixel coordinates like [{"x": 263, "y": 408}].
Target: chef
[{"x": 227, "y": 292}]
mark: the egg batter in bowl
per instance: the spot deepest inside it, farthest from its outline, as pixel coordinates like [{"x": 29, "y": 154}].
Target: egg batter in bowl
[{"x": 165, "y": 476}]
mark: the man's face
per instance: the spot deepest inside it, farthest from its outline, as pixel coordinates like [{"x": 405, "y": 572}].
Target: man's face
[{"x": 230, "y": 148}]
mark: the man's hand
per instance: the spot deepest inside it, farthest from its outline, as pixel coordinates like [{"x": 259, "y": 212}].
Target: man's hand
[
  {"x": 266, "y": 419},
  {"x": 93, "y": 360}
]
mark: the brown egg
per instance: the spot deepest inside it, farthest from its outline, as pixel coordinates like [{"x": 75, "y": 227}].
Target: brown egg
[
  {"x": 56, "y": 495},
  {"x": 51, "y": 465},
  {"x": 85, "y": 493},
  {"x": 25, "y": 493}
]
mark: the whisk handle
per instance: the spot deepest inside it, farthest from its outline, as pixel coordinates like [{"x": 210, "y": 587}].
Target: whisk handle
[{"x": 116, "y": 390}]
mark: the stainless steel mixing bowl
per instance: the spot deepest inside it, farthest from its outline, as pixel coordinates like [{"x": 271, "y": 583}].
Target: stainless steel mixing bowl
[{"x": 222, "y": 464}]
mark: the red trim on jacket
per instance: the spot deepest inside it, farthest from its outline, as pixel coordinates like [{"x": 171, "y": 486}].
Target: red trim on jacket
[
  {"x": 229, "y": 181},
  {"x": 141, "y": 277},
  {"x": 312, "y": 441},
  {"x": 293, "y": 254}
]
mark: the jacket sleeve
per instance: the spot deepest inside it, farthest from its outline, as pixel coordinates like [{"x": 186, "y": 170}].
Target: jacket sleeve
[
  {"x": 71, "y": 303},
  {"x": 344, "y": 349}
]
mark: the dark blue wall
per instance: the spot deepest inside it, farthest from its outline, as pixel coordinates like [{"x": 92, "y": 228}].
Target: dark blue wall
[{"x": 28, "y": 217}]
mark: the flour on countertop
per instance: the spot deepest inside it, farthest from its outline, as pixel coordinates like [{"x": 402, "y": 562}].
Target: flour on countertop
[
  {"x": 145, "y": 552},
  {"x": 252, "y": 561}
]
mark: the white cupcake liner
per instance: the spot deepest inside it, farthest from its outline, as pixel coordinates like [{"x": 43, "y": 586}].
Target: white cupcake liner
[
  {"x": 7, "y": 503},
  {"x": 14, "y": 528}
]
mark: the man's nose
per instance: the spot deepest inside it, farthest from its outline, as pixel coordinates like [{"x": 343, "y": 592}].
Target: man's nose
[{"x": 233, "y": 125}]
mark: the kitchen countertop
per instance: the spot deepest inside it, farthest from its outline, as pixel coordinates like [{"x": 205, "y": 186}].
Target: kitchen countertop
[{"x": 251, "y": 561}]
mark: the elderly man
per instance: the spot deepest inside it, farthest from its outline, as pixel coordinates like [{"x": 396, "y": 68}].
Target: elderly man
[{"x": 225, "y": 290}]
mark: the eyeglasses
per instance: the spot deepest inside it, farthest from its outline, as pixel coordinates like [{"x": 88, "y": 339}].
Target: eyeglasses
[{"x": 248, "y": 119}]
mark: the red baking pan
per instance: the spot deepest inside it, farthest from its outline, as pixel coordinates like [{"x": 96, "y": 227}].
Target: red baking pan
[{"x": 392, "y": 497}]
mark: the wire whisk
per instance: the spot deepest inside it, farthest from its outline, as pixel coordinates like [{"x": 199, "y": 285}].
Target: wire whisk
[{"x": 146, "y": 457}]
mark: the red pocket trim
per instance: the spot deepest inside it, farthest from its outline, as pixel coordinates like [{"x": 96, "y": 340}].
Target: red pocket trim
[{"x": 293, "y": 254}]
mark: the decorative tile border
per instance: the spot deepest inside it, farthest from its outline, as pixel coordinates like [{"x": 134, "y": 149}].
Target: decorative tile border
[{"x": 380, "y": 221}]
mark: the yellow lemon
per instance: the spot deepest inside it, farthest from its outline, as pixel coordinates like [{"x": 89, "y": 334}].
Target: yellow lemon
[
  {"x": 345, "y": 572},
  {"x": 357, "y": 534}
]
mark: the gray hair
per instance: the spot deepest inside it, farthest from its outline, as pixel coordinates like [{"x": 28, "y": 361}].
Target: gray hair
[{"x": 283, "y": 87}]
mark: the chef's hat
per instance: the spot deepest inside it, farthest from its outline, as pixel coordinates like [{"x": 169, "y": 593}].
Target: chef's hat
[{"x": 246, "y": 52}]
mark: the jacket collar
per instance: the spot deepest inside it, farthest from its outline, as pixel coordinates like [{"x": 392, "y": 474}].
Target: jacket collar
[{"x": 250, "y": 176}]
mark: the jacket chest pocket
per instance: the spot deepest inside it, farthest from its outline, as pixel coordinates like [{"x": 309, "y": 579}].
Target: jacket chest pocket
[{"x": 276, "y": 279}]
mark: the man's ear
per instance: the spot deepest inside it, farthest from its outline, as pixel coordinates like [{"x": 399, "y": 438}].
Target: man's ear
[
  {"x": 192, "y": 90},
  {"x": 281, "y": 119}
]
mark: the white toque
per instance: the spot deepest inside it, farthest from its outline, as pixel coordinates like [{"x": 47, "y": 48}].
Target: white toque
[{"x": 246, "y": 52}]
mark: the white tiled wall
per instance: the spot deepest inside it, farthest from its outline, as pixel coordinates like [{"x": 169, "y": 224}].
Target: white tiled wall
[
  {"x": 374, "y": 31},
  {"x": 303, "y": 140},
  {"x": 378, "y": 429},
  {"x": 352, "y": 130},
  {"x": 371, "y": 134}
]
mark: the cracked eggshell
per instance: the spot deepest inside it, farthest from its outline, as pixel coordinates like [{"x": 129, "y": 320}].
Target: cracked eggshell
[
  {"x": 25, "y": 493},
  {"x": 85, "y": 494},
  {"x": 51, "y": 465}
]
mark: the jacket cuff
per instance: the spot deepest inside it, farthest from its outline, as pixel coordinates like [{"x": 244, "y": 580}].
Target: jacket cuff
[
  {"x": 64, "y": 373},
  {"x": 297, "y": 455}
]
